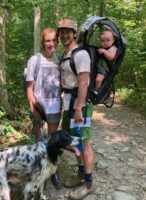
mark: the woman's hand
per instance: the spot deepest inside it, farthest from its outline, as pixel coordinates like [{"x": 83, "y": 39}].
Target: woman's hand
[{"x": 36, "y": 115}]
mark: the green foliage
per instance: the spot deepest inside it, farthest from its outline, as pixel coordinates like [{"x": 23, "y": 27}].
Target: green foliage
[
  {"x": 19, "y": 38},
  {"x": 6, "y": 129},
  {"x": 2, "y": 112},
  {"x": 11, "y": 138},
  {"x": 13, "y": 132},
  {"x": 133, "y": 98}
]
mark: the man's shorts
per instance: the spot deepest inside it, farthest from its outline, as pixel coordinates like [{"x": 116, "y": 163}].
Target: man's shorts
[{"x": 86, "y": 131}]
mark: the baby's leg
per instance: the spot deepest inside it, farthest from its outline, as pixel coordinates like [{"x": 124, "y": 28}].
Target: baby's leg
[{"x": 99, "y": 79}]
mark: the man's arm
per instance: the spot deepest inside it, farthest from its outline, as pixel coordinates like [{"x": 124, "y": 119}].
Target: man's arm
[{"x": 83, "y": 79}]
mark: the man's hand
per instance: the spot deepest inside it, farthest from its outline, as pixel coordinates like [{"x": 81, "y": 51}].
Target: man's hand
[{"x": 78, "y": 116}]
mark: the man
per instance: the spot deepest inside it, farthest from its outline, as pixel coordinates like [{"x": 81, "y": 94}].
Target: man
[
  {"x": 40, "y": 90},
  {"x": 67, "y": 32}
]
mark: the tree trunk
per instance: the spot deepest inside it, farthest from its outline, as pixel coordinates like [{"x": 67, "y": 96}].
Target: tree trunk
[
  {"x": 37, "y": 18},
  {"x": 102, "y": 8},
  {"x": 57, "y": 14},
  {"x": 3, "y": 92}
]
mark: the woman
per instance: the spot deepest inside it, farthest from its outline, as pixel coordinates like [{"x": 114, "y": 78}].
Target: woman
[{"x": 43, "y": 91}]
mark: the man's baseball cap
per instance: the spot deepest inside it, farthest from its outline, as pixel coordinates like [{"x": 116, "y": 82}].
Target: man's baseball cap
[{"x": 67, "y": 23}]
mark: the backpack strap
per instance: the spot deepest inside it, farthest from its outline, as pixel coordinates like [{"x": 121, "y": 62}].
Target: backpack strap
[
  {"x": 72, "y": 59},
  {"x": 37, "y": 66},
  {"x": 73, "y": 91},
  {"x": 38, "y": 63},
  {"x": 64, "y": 59}
]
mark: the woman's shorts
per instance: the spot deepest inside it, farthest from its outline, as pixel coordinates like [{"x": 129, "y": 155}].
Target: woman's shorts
[{"x": 53, "y": 118}]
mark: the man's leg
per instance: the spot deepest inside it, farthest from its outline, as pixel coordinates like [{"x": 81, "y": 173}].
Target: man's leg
[
  {"x": 77, "y": 180},
  {"x": 87, "y": 159},
  {"x": 84, "y": 162},
  {"x": 87, "y": 187}
]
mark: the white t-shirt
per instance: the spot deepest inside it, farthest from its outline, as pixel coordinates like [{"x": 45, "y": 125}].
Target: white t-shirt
[
  {"x": 68, "y": 79},
  {"x": 112, "y": 49},
  {"x": 47, "y": 85}
]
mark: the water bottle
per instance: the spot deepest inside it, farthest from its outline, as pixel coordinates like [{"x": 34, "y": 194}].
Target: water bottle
[{"x": 77, "y": 132}]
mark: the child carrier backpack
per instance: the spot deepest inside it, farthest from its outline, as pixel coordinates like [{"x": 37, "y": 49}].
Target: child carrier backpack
[{"x": 87, "y": 40}]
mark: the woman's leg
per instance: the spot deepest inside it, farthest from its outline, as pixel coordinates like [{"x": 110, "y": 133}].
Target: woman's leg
[
  {"x": 53, "y": 124},
  {"x": 52, "y": 128}
]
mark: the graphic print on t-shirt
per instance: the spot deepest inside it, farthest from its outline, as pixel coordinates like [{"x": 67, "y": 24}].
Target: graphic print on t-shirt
[{"x": 50, "y": 83}]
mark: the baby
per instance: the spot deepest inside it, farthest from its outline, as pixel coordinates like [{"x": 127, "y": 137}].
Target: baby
[{"x": 108, "y": 50}]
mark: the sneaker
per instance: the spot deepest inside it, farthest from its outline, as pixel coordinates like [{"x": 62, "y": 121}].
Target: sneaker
[
  {"x": 81, "y": 192},
  {"x": 74, "y": 181},
  {"x": 56, "y": 181}
]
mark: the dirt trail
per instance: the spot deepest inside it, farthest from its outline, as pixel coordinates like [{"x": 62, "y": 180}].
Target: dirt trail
[{"x": 119, "y": 143}]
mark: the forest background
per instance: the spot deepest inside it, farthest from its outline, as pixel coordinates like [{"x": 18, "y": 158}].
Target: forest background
[{"x": 17, "y": 45}]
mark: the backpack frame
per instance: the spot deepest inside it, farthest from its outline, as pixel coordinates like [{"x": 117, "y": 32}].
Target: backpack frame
[{"x": 105, "y": 94}]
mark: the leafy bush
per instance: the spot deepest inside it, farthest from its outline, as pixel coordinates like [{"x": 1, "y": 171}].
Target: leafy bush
[{"x": 134, "y": 99}]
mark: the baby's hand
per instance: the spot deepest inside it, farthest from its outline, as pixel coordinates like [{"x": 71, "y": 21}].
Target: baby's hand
[{"x": 101, "y": 51}]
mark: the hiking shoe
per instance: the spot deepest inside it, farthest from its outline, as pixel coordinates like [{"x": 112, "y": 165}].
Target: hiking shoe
[
  {"x": 56, "y": 181},
  {"x": 81, "y": 192},
  {"x": 74, "y": 181}
]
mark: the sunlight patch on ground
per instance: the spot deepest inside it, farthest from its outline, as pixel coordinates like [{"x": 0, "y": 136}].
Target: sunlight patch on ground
[
  {"x": 101, "y": 117},
  {"x": 142, "y": 151},
  {"x": 117, "y": 139}
]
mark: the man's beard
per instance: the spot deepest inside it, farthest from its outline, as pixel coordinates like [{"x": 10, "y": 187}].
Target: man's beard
[{"x": 68, "y": 43}]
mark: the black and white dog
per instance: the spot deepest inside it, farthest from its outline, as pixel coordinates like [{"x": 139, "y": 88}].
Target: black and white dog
[{"x": 32, "y": 164}]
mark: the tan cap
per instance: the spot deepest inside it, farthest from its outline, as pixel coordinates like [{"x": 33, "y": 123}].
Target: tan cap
[{"x": 67, "y": 23}]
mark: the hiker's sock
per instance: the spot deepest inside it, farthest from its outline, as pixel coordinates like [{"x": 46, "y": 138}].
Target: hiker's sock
[
  {"x": 81, "y": 168},
  {"x": 88, "y": 178}
]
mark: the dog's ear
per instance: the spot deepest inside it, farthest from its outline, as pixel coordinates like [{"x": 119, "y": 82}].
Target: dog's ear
[
  {"x": 53, "y": 147},
  {"x": 52, "y": 152}
]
